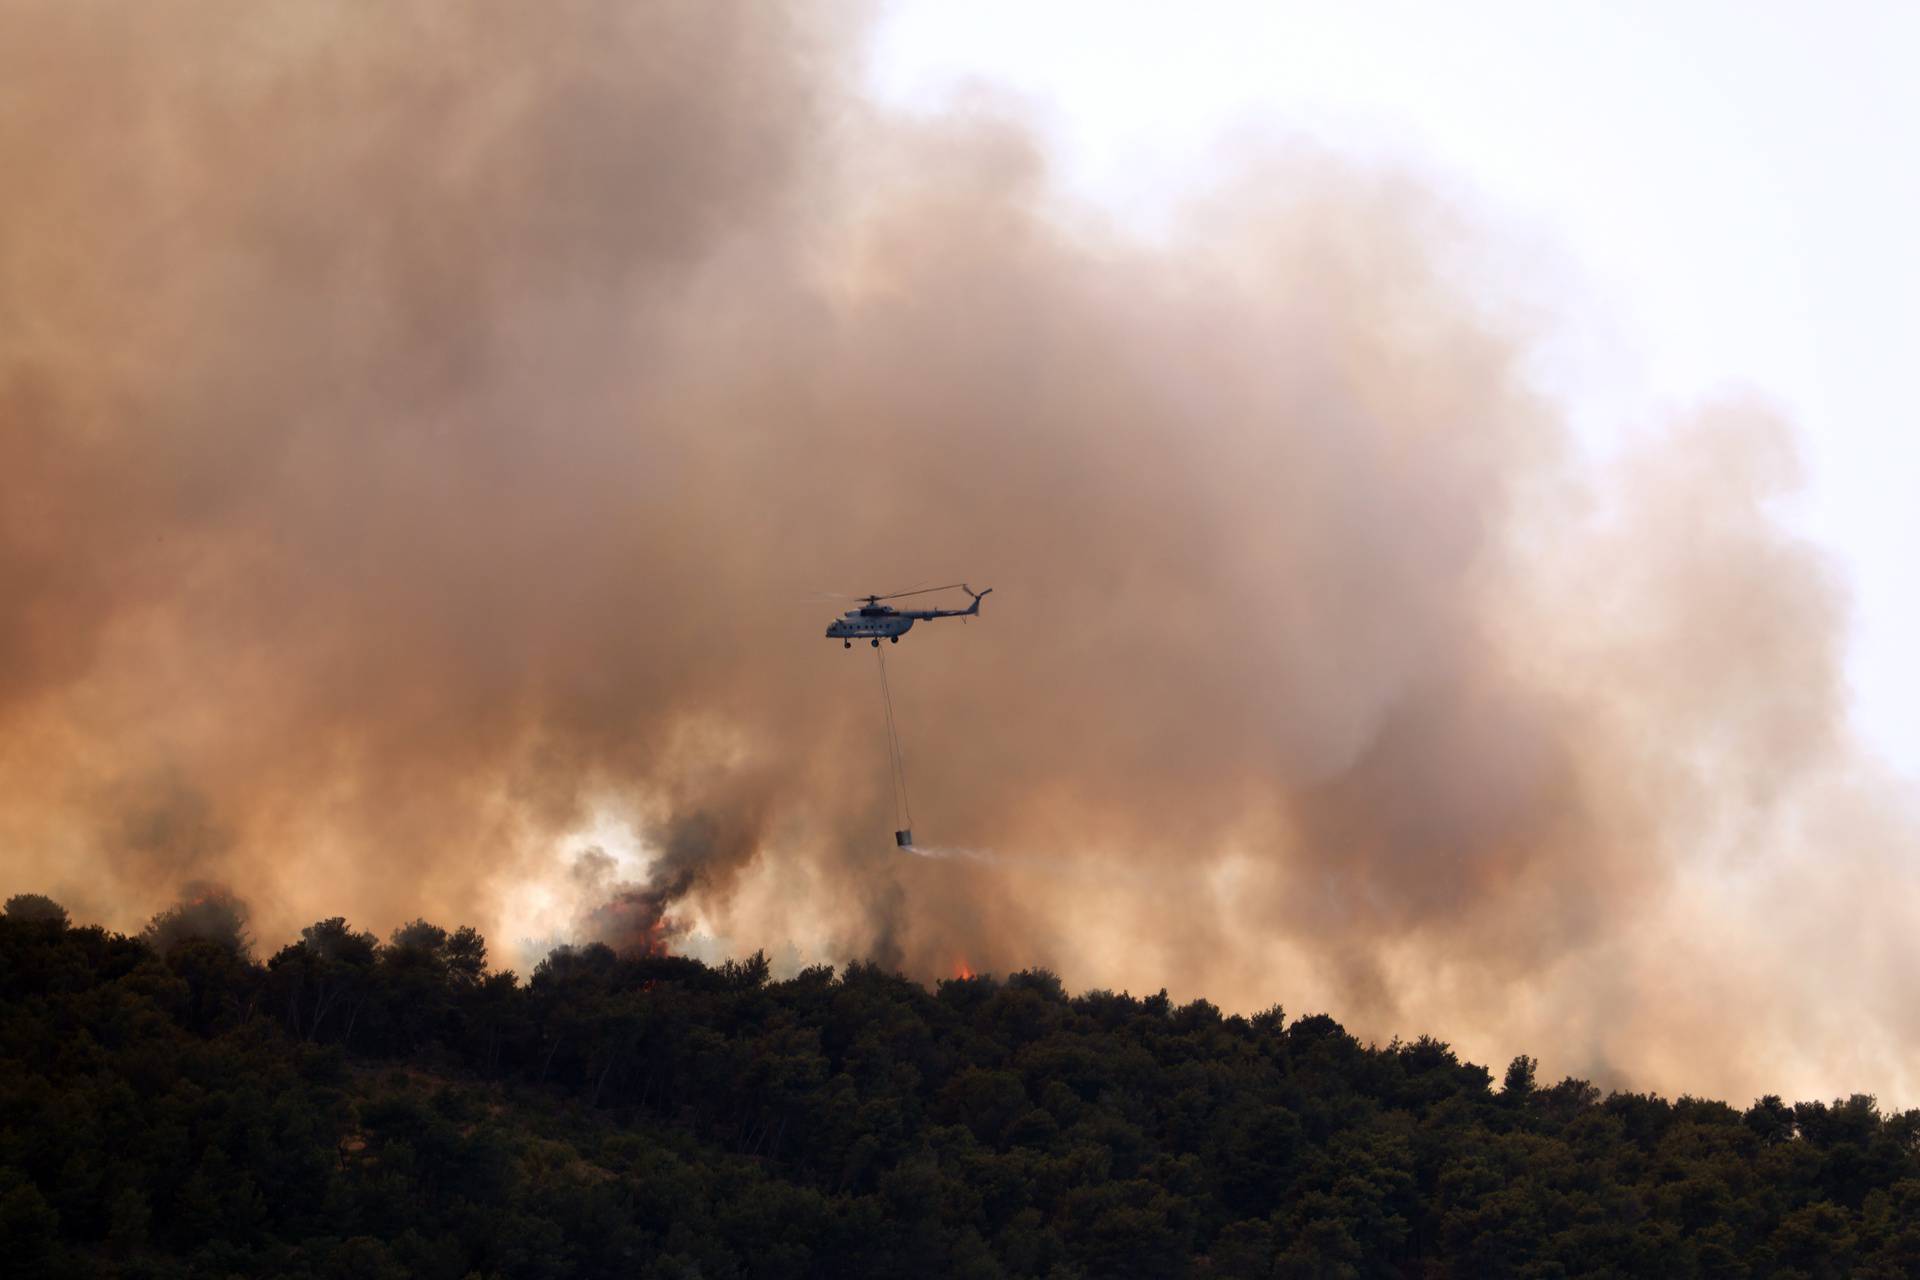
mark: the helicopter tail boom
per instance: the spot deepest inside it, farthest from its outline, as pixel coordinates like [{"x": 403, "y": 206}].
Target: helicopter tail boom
[{"x": 968, "y": 612}]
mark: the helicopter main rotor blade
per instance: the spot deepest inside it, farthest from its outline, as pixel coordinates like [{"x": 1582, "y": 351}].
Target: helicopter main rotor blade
[{"x": 921, "y": 591}]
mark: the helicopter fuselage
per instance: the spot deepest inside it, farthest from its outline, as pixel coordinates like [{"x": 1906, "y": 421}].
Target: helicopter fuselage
[{"x": 870, "y": 624}]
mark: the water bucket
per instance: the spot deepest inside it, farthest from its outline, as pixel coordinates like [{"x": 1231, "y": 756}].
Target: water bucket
[{"x": 904, "y": 838}]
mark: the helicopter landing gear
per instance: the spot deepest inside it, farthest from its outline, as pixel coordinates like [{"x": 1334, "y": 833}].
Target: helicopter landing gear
[
  {"x": 875, "y": 642},
  {"x": 893, "y": 639},
  {"x": 846, "y": 644}
]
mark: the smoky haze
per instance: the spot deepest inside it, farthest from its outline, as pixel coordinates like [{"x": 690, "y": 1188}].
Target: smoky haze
[{"x": 422, "y": 435}]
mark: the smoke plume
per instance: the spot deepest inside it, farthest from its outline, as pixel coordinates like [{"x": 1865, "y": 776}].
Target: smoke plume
[{"x": 421, "y": 432}]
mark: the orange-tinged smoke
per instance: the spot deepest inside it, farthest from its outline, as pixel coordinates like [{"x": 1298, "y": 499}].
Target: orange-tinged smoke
[{"x": 422, "y": 435}]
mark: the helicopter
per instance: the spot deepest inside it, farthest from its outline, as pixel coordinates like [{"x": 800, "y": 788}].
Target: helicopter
[{"x": 875, "y": 621}]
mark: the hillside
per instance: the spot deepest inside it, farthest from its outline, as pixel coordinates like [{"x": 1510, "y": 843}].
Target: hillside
[{"x": 351, "y": 1108}]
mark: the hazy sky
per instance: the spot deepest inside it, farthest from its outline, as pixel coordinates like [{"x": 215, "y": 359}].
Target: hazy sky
[{"x": 1708, "y": 197}]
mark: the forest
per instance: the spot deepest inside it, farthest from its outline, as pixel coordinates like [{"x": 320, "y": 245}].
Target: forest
[{"x": 173, "y": 1105}]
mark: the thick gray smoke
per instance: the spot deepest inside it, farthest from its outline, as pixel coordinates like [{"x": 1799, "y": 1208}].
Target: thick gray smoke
[{"x": 420, "y": 430}]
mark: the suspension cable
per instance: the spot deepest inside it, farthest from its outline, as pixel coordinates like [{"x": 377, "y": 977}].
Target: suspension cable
[{"x": 896, "y": 758}]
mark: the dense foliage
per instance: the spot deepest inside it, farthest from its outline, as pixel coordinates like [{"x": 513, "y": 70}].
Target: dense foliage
[{"x": 168, "y": 1107}]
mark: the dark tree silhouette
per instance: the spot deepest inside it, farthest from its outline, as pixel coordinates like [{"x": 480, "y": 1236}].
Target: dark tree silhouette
[
  {"x": 206, "y": 912},
  {"x": 32, "y": 908},
  {"x": 169, "y": 1107}
]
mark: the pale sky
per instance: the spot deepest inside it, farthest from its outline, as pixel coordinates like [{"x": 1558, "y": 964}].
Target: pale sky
[{"x": 1726, "y": 196}]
